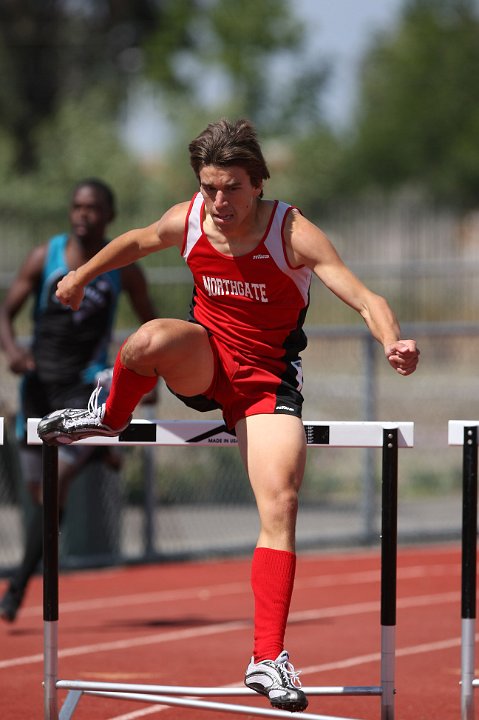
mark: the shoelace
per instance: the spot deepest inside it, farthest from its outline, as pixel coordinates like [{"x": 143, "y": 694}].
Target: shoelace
[
  {"x": 93, "y": 406},
  {"x": 290, "y": 674}
]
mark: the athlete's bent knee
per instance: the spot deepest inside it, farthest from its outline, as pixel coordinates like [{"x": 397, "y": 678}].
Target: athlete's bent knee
[{"x": 139, "y": 346}]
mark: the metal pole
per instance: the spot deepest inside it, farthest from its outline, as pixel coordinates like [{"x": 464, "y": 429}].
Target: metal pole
[
  {"x": 149, "y": 503},
  {"x": 368, "y": 501},
  {"x": 389, "y": 570},
  {"x": 50, "y": 579},
  {"x": 469, "y": 573}
]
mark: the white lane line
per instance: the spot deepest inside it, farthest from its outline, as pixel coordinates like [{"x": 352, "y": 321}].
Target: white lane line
[
  {"x": 215, "y": 629},
  {"x": 204, "y": 592},
  {"x": 142, "y": 713}
]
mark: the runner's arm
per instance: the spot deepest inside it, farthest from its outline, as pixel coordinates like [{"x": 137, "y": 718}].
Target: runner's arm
[
  {"x": 308, "y": 245},
  {"x": 124, "y": 250},
  {"x": 23, "y": 286}
]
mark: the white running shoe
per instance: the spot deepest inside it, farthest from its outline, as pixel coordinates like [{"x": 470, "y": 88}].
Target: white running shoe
[
  {"x": 63, "y": 427},
  {"x": 279, "y": 681}
]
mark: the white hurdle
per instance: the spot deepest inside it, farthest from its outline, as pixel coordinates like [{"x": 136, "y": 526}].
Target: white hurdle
[
  {"x": 386, "y": 435},
  {"x": 465, "y": 433}
]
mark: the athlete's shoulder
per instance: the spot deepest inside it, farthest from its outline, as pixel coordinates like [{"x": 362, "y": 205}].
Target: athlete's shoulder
[
  {"x": 279, "y": 209},
  {"x": 38, "y": 254},
  {"x": 285, "y": 206},
  {"x": 56, "y": 246},
  {"x": 33, "y": 265},
  {"x": 55, "y": 259},
  {"x": 174, "y": 218},
  {"x": 280, "y": 215},
  {"x": 57, "y": 241}
]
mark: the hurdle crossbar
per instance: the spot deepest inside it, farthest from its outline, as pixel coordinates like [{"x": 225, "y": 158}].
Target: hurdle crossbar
[
  {"x": 212, "y": 432},
  {"x": 465, "y": 433},
  {"x": 386, "y": 435}
]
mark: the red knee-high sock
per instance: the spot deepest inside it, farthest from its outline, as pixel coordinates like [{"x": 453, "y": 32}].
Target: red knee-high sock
[
  {"x": 272, "y": 580},
  {"x": 127, "y": 389}
]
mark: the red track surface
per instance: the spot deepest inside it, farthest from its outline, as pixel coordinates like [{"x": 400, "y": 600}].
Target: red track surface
[{"x": 190, "y": 624}]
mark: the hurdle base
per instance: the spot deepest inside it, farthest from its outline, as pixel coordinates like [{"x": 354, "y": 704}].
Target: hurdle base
[
  {"x": 70, "y": 704},
  {"x": 153, "y": 696}
]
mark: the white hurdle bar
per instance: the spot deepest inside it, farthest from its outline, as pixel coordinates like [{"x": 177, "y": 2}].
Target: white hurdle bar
[
  {"x": 386, "y": 435},
  {"x": 465, "y": 433}
]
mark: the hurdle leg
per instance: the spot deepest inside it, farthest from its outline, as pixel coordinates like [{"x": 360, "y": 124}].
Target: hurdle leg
[
  {"x": 50, "y": 579},
  {"x": 340, "y": 434},
  {"x": 69, "y": 706},
  {"x": 388, "y": 570},
  {"x": 469, "y": 573}
]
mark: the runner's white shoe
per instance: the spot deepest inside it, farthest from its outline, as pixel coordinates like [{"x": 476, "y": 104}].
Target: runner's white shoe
[
  {"x": 63, "y": 427},
  {"x": 279, "y": 681}
]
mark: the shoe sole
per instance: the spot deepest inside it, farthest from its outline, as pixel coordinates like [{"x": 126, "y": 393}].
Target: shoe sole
[
  {"x": 56, "y": 437},
  {"x": 293, "y": 706}
]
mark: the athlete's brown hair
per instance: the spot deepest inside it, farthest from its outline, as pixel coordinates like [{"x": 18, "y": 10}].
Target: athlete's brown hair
[{"x": 224, "y": 144}]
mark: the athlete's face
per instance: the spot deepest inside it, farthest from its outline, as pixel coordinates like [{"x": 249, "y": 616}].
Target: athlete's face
[
  {"x": 229, "y": 196},
  {"x": 90, "y": 213}
]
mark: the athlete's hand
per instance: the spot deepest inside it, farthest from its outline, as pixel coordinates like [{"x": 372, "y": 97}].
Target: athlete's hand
[
  {"x": 70, "y": 291},
  {"x": 403, "y": 356}
]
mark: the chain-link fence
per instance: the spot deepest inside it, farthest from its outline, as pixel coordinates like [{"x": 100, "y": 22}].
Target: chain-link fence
[{"x": 178, "y": 502}]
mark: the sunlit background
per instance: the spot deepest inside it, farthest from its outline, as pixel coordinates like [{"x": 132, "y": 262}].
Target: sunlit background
[{"x": 368, "y": 113}]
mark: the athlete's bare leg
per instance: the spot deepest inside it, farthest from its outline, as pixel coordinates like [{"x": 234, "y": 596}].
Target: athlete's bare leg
[
  {"x": 273, "y": 448},
  {"x": 176, "y": 350}
]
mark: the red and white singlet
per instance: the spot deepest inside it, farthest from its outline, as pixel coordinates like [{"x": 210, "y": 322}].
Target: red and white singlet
[{"x": 254, "y": 308}]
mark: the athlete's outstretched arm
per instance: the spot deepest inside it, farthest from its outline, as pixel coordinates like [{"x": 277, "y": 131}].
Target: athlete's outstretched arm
[
  {"x": 308, "y": 245},
  {"x": 124, "y": 250},
  {"x": 24, "y": 285}
]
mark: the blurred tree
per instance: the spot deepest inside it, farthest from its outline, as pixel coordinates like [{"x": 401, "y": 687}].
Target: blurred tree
[
  {"x": 244, "y": 59},
  {"x": 55, "y": 48},
  {"x": 307, "y": 177},
  {"x": 237, "y": 58},
  {"x": 417, "y": 122},
  {"x": 201, "y": 57}
]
